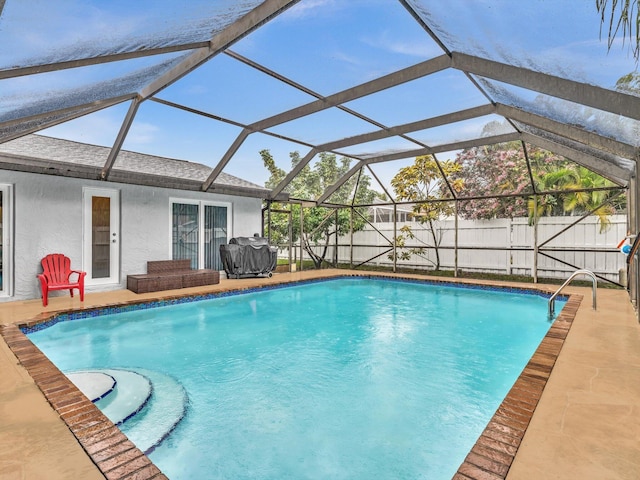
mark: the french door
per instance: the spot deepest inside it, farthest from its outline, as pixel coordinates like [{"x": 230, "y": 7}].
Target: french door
[
  {"x": 197, "y": 231},
  {"x": 101, "y": 258}
]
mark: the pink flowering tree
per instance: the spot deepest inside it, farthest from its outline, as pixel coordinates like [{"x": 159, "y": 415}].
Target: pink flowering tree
[
  {"x": 502, "y": 169},
  {"x": 493, "y": 170}
]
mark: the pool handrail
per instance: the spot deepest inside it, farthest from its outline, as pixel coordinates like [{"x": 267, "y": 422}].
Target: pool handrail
[{"x": 589, "y": 273}]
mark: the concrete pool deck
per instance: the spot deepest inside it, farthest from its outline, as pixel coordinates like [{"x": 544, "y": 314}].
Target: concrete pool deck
[{"x": 586, "y": 425}]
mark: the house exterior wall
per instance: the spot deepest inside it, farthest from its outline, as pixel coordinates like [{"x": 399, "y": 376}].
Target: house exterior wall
[{"x": 49, "y": 219}]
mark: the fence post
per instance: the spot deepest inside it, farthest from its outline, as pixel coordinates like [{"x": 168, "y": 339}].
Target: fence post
[
  {"x": 351, "y": 237},
  {"x": 509, "y": 243},
  {"x": 301, "y": 236},
  {"x": 290, "y": 237},
  {"x": 335, "y": 253},
  {"x": 395, "y": 233},
  {"x": 535, "y": 238},
  {"x": 455, "y": 246}
]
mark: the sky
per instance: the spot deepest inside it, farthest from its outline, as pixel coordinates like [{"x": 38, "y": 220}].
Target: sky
[{"x": 325, "y": 45}]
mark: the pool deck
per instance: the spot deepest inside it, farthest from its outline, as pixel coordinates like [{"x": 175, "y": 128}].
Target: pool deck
[{"x": 586, "y": 424}]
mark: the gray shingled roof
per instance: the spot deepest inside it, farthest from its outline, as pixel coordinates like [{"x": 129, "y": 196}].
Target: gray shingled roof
[{"x": 64, "y": 152}]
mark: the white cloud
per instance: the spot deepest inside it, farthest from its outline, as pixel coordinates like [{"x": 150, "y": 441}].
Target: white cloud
[
  {"x": 590, "y": 61},
  {"x": 309, "y": 8},
  {"x": 387, "y": 41},
  {"x": 197, "y": 89},
  {"x": 142, "y": 134},
  {"x": 346, "y": 58},
  {"x": 98, "y": 129}
]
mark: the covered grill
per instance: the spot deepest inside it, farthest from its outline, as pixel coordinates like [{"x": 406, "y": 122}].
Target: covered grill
[{"x": 247, "y": 257}]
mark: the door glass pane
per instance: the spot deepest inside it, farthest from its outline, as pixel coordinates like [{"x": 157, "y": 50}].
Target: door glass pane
[
  {"x": 185, "y": 233},
  {"x": 100, "y": 243},
  {"x": 215, "y": 224}
]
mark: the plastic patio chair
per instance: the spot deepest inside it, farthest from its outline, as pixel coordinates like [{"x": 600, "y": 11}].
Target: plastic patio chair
[{"x": 57, "y": 274}]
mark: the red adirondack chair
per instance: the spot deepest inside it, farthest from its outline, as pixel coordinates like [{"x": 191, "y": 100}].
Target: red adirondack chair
[{"x": 57, "y": 274}]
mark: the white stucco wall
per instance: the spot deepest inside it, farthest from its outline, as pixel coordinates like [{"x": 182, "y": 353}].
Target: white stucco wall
[{"x": 49, "y": 219}]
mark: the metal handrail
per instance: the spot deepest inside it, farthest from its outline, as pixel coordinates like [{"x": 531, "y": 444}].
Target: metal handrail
[{"x": 573, "y": 275}]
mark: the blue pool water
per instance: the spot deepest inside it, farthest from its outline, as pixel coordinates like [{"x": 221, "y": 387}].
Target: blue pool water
[{"x": 342, "y": 379}]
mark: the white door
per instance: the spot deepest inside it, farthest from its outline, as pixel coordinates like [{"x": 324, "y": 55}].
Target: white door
[{"x": 101, "y": 236}]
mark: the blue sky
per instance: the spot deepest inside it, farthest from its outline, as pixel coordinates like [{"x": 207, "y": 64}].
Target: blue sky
[{"x": 326, "y": 45}]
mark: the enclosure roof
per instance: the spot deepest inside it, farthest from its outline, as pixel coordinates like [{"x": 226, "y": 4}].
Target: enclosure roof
[{"x": 380, "y": 82}]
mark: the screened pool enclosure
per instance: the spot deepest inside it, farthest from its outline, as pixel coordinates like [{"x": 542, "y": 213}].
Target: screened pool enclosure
[{"x": 379, "y": 84}]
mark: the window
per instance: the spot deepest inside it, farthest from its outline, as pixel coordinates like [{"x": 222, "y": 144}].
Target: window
[
  {"x": 6, "y": 250},
  {"x": 197, "y": 231}
]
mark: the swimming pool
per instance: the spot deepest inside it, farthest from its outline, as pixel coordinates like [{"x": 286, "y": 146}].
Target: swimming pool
[{"x": 350, "y": 378}]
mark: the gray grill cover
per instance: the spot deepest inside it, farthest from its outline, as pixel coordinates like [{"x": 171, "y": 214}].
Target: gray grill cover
[
  {"x": 253, "y": 241},
  {"x": 248, "y": 257}
]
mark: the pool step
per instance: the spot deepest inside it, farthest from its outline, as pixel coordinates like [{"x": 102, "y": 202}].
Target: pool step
[
  {"x": 94, "y": 385},
  {"x": 130, "y": 395},
  {"x": 145, "y": 404},
  {"x": 161, "y": 415}
]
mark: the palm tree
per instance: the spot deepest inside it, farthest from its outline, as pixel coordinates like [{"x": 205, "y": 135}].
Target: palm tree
[
  {"x": 572, "y": 180},
  {"x": 621, "y": 17},
  {"x": 583, "y": 202},
  {"x": 549, "y": 180}
]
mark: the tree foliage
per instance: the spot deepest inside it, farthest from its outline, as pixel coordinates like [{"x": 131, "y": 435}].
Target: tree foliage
[
  {"x": 424, "y": 184},
  {"x": 502, "y": 169},
  {"x": 493, "y": 170},
  {"x": 574, "y": 179},
  {"x": 319, "y": 222},
  {"x": 490, "y": 171},
  {"x": 629, "y": 83}
]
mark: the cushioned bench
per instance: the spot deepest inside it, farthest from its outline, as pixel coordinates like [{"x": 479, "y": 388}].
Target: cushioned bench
[{"x": 170, "y": 275}]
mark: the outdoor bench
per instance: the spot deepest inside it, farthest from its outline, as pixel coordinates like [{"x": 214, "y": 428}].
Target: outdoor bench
[{"x": 170, "y": 275}]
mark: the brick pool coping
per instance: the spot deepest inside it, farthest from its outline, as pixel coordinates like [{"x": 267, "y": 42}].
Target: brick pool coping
[
  {"x": 118, "y": 458},
  {"x": 494, "y": 451}
]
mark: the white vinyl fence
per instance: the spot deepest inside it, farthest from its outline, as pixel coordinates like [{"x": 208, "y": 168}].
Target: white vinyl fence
[{"x": 502, "y": 246}]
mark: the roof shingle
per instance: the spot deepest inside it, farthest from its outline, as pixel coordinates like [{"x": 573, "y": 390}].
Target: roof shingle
[{"x": 66, "y": 151}]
